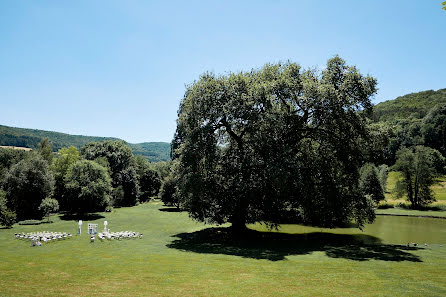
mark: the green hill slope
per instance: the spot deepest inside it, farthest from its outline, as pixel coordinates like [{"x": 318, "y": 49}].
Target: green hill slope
[
  {"x": 11, "y": 136},
  {"x": 411, "y": 105}
]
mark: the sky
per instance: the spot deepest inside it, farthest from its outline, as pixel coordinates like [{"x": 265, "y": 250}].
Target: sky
[{"x": 119, "y": 68}]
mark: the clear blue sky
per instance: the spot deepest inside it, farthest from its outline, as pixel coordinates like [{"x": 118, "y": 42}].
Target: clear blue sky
[{"x": 119, "y": 68}]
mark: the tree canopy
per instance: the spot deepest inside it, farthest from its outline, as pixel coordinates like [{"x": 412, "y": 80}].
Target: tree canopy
[
  {"x": 89, "y": 186},
  {"x": 60, "y": 166},
  {"x": 252, "y": 145},
  {"x": 121, "y": 162},
  {"x": 26, "y": 184}
]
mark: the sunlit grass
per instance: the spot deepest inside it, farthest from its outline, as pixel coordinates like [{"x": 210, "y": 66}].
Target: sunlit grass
[
  {"x": 179, "y": 257},
  {"x": 439, "y": 189}
]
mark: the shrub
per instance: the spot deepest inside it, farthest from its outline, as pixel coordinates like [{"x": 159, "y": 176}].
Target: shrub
[
  {"x": 385, "y": 206},
  {"x": 7, "y": 218},
  {"x": 30, "y": 222}
]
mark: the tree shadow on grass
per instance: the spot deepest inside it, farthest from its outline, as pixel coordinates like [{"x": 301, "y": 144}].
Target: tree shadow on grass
[
  {"x": 276, "y": 246},
  {"x": 171, "y": 209},
  {"x": 83, "y": 217}
]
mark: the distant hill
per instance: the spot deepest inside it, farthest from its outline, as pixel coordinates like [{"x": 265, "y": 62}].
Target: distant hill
[
  {"x": 414, "y": 105},
  {"x": 30, "y": 138}
]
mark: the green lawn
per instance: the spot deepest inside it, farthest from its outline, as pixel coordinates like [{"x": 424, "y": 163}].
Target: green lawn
[{"x": 179, "y": 257}]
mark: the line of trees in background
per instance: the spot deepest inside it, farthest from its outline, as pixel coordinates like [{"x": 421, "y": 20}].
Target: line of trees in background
[{"x": 100, "y": 175}]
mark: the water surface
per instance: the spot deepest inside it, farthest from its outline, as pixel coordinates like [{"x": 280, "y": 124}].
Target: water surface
[{"x": 388, "y": 229}]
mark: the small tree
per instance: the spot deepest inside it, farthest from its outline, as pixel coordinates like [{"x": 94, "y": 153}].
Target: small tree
[
  {"x": 418, "y": 174},
  {"x": 45, "y": 149},
  {"x": 167, "y": 192},
  {"x": 383, "y": 173},
  {"x": 48, "y": 206},
  {"x": 369, "y": 182}
]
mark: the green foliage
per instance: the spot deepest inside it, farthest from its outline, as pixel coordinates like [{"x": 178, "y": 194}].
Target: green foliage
[
  {"x": 418, "y": 174},
  {"x": 66, "y": 157},
  {"x": 383, "y": 173},
  {"x": 7, "y": 217},
  {"x": 415, "y": 105},
  {"x": 168, "y": 192},
  {"x": 153, "y": 151},
  {"x": 369, "y": 182},
  {"x": 149, "y": 180},
  {"x": 45, "y": 149},
  {"x": 9, "y": 157},
  {"x": 434, "y": 128},
  {"x": 162, "y": 168},
  {"x": 26, "y": 184},
  {"x": 89, "y": 186},
  {"x": 444, "y": 5},
  {"x": 48, "y": 206},
  {"x": 251, "y": 146},
  {"x": 122, "y": 167},
  {"x": 30, "y": 222}
]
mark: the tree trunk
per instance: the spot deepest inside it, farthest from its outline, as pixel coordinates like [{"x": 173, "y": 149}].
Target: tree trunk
[
  {"x": 416, "y": 199},
  {"x": 238, "y": 219}
]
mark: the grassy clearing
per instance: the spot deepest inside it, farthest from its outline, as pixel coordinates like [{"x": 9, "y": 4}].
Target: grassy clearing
[
  {"x": 178, "y": 256},
  {"x": 393, "y": 205},
  {"x": 439, "y": 189}
]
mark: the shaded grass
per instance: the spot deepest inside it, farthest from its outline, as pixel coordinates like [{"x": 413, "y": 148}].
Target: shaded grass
[
  {"x": 179, "y": 257},
  {"x": 277, "y": 246}
]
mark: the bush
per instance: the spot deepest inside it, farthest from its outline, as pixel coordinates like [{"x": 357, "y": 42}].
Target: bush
[
  {"x": 7, "y": 218},
  {"x": 30, "y": 222},
  {"x": 385, "y": 206}
]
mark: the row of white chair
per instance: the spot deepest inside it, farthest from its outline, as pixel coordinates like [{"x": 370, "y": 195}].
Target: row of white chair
[
  {"x": 118, "y": 235},
  {"x": 43, "y": 236}
]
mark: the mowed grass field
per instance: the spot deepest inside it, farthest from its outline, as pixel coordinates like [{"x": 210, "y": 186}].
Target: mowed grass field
[{"x": 180, "y": 257}]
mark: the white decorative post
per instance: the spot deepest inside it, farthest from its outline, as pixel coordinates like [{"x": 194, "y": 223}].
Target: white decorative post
[
  {"x": 105, "y": 226},
  {"x": 80, "y": 226}
]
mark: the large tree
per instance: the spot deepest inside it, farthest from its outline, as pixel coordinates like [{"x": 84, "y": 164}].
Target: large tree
[
  {"x": 26, "y": 184},
  {"x": 89, "y": 186},
  {"x": 253, "y": 145},
  {"x": 370, "y": 183},
  {"x": 419, "y": 170},
  {"x": 65, "y": 159},
  {"x": 122, "y": 165}
]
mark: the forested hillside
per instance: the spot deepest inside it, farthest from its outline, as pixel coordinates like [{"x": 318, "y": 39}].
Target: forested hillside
[
  {"x": 11, "y": 136},
  {"x": 415, "y": 105}
]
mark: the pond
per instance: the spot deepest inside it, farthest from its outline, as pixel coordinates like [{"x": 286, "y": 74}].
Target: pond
[{"x": 388, "y": 229}]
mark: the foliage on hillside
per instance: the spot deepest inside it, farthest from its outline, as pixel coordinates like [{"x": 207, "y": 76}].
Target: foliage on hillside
[
  {"x": 11, "y": 136},
  {"x": 415, "y": 105}
]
